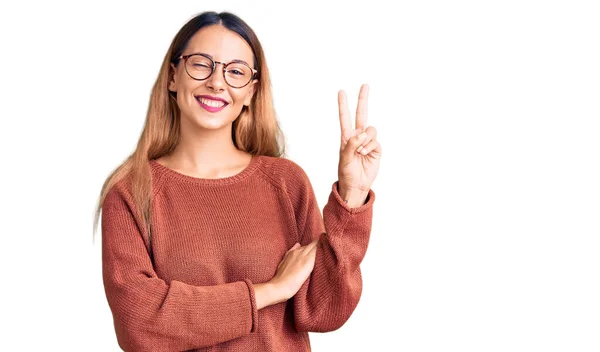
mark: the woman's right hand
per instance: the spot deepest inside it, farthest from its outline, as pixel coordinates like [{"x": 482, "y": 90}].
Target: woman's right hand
[{"x": 293, "y": 270}]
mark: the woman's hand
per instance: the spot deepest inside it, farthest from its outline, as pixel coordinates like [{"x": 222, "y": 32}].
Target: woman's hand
[
  {"x": 293, "y": 270},
  {"x": 360, "y": 151},
  {"x": 295, "y": 267}
]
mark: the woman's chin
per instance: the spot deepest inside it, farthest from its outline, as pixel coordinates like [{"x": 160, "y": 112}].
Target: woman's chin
[
  {"x": 212, "y": 123},
  {"x": 208, "y": 121}
]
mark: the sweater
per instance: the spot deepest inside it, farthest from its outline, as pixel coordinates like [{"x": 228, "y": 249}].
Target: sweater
[{"x": 192, "y": 288}]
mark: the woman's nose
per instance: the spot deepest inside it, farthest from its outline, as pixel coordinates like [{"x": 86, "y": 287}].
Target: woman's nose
[{"x": 216, "y": 81}]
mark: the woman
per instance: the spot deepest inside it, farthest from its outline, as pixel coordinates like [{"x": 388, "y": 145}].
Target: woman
[{"x": 210, "y": 239}]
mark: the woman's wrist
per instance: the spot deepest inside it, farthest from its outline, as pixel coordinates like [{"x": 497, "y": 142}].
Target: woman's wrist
[
  {"x": 353, "y": 197},
  {"x": 267, "y": 294}
]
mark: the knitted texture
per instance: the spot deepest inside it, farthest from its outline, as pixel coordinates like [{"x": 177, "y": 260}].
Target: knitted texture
[{"x": 211, "y": 240}]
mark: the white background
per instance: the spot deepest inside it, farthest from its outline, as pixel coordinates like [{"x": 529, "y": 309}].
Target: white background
[{"x": 486, "y": 225}]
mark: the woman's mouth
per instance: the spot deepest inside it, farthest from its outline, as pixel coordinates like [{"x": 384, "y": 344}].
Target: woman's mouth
[{"x": 211, "y": 104}]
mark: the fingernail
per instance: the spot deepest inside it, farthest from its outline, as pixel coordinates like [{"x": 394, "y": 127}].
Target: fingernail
[
  {"x": 364, "y": 152},
  {"x": 358, "y": 149}
]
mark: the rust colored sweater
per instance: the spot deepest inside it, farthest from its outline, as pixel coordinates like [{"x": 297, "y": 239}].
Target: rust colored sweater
[{"x": 211, "y": 240}]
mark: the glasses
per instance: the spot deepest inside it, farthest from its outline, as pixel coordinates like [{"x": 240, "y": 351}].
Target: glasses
[{"x": 200, "y": 66}]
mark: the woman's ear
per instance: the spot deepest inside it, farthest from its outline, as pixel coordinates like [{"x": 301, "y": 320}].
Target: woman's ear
[
  {"x": 251, "y": 92},
  {"x": 172, "y": 85}
]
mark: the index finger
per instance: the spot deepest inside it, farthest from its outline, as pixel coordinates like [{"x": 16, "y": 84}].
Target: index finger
[
  {"x": 361, "y": 108},
  {"x": 345, "y": 122}
]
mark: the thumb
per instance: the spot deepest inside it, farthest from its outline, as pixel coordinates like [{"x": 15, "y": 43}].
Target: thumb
[{"x": 353, "y": 144}]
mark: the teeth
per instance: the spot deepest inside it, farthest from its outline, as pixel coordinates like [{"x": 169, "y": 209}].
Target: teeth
[{"x": 212, "y": 103}]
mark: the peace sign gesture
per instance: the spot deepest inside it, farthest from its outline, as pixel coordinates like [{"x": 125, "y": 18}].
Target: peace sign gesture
[{"x": 360, "y": 152}]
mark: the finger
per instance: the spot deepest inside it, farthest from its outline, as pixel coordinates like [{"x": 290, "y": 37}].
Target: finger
[
  {"x": 312, "y": 253},
  {"x": 352, "y": 145},
  {"x": 371, "y": 135},
  {"x": 361, "y": 107},
  {"x": 373, "y": 147},
  {"x": 310, "y": 249},
  {"x": 345, "y": 121},
  {"x": 294, "y": 247},
  {"x": 310, "y": 246},
  {"x": 355, "y": 132}
]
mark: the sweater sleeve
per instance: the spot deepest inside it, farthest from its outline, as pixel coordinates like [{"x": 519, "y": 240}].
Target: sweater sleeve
[
  {"x": 331, "y": 293},
  {"x": 150, "y": 314}
]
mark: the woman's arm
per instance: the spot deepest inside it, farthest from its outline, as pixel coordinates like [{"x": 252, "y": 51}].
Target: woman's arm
[
  {"x": 330, "y": 295},
  {"x": 151, "y": 315}
]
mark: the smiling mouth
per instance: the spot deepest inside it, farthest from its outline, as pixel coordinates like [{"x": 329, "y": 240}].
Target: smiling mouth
[{"x": 212, "y": 103}]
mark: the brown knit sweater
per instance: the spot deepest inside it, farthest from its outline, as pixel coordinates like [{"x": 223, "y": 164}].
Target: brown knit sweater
[{"x": 213, "y": 238}]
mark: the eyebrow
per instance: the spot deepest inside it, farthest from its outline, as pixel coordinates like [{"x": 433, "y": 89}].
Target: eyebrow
[{"x": 212, "y": 58}]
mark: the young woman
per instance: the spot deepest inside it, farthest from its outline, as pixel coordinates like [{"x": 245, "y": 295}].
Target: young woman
[{"x": 211, "y": 240}]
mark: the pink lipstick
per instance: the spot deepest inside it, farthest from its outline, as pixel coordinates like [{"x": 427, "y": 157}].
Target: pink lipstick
[{"x": 211, "y": 104}]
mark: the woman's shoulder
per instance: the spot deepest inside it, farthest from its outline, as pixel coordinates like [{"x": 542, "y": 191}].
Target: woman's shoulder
[
  {"x": 279, "y": 163},
  {"x": 120, "y": 191},
  {"x": 284, "y": 173}
]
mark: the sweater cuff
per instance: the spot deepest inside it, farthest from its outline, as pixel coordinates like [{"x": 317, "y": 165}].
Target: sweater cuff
[
  {"x": 252, "y": 305},
  {"x": 368, "y": 202}
]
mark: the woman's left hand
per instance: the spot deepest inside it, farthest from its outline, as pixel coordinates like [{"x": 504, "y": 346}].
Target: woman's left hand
[{"x": 360, "y": 151}]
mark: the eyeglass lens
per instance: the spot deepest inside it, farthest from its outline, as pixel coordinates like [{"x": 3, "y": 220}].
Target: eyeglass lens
[{"x": 236, "y": 74}]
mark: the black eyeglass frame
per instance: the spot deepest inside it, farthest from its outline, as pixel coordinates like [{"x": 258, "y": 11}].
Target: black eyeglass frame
[{"x": 214, "y": 67}]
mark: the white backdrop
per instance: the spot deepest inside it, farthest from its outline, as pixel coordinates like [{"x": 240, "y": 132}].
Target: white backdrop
[{"x": 486, "y": 224}]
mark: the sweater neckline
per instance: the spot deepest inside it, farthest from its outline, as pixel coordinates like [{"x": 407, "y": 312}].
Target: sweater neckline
[{"x": 172, "y": 174}]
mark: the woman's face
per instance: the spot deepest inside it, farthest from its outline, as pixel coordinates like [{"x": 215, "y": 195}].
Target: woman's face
[{"x": 199, "y": 100}]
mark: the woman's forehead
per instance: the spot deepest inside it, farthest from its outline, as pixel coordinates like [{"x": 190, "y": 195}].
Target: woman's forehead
[{"x": 220, "y": 43}]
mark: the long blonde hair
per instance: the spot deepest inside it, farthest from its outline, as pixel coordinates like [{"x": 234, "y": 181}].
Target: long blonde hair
[{"x": 256, "y": 130}]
